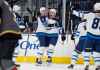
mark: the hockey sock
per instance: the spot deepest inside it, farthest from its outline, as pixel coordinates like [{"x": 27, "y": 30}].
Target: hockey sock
[
  {"x": 96, "y": 56},
  {"x": 74, "y": 57}
]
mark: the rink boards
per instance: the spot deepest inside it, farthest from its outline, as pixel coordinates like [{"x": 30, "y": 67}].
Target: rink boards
[{"x": 62, "y": 52}]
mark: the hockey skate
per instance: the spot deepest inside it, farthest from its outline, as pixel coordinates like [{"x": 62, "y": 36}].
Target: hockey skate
[
  {"x": 87, "y": 67},
  {"x": 97, "y": 68},
  {"x": 71, "y": 66},
  {"x": 49, "y": 61},
  {"x": 38, "y": 62}
]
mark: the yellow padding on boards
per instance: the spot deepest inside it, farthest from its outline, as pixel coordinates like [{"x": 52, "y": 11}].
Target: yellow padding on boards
[
  {"x": 20, "y": 59},
  {"x": 81, "y": 60},
  {"x": 32, "y": 59},
  {"x": 92, "y": 62},
  {"x": 56, "y": 60},
  {"x": 61, "y": 60}
]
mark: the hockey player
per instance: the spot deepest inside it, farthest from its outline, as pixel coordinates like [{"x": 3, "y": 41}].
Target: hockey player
[
  {"x": 80, "y": 40},
  {"x": 41, "y": 34},
  {"x": 53, "y": 31},
  {"x": 92, "y": 40},
  {"x": 93, "y": 32},
  {"x": 9, "y": 35},
  {"x": 47, "y": 33},
  {"x": 19, "y": 19}
]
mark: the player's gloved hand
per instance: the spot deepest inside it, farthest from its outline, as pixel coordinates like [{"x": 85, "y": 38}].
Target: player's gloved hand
[
  {"x": 85, "y": 28},
  {"x": 72, "y": 37},
  {"x": 63, "y": 37}
]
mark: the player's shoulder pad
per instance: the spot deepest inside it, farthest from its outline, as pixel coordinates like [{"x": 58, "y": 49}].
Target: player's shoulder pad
[{"x": 88, "y": 15}]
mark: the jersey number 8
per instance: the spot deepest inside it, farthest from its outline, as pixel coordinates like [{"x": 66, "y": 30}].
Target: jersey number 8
[{"x": 95, "y": 24}]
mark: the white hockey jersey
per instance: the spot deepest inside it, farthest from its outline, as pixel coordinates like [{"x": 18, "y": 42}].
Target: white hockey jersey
[
  {"x": 92, "y": 23},
  {"x": 41, "y": 27},
  {"x": 81, "y": 29},
  {"x": 54, "y": 26}
]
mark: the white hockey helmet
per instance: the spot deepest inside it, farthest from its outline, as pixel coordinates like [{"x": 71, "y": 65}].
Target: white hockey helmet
[
  {"x": 96, "y": 6},
  {"x": 53, "y": 10},
  {"x": 16, "y": 8},
  {"x": 42, "y": 9}
]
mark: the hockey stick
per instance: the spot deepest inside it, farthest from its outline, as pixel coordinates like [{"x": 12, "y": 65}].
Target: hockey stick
[{"x": 30, "y": 12}]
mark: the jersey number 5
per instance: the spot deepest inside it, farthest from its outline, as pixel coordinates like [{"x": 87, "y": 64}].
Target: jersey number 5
[{"x": 95, "y": 24}]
